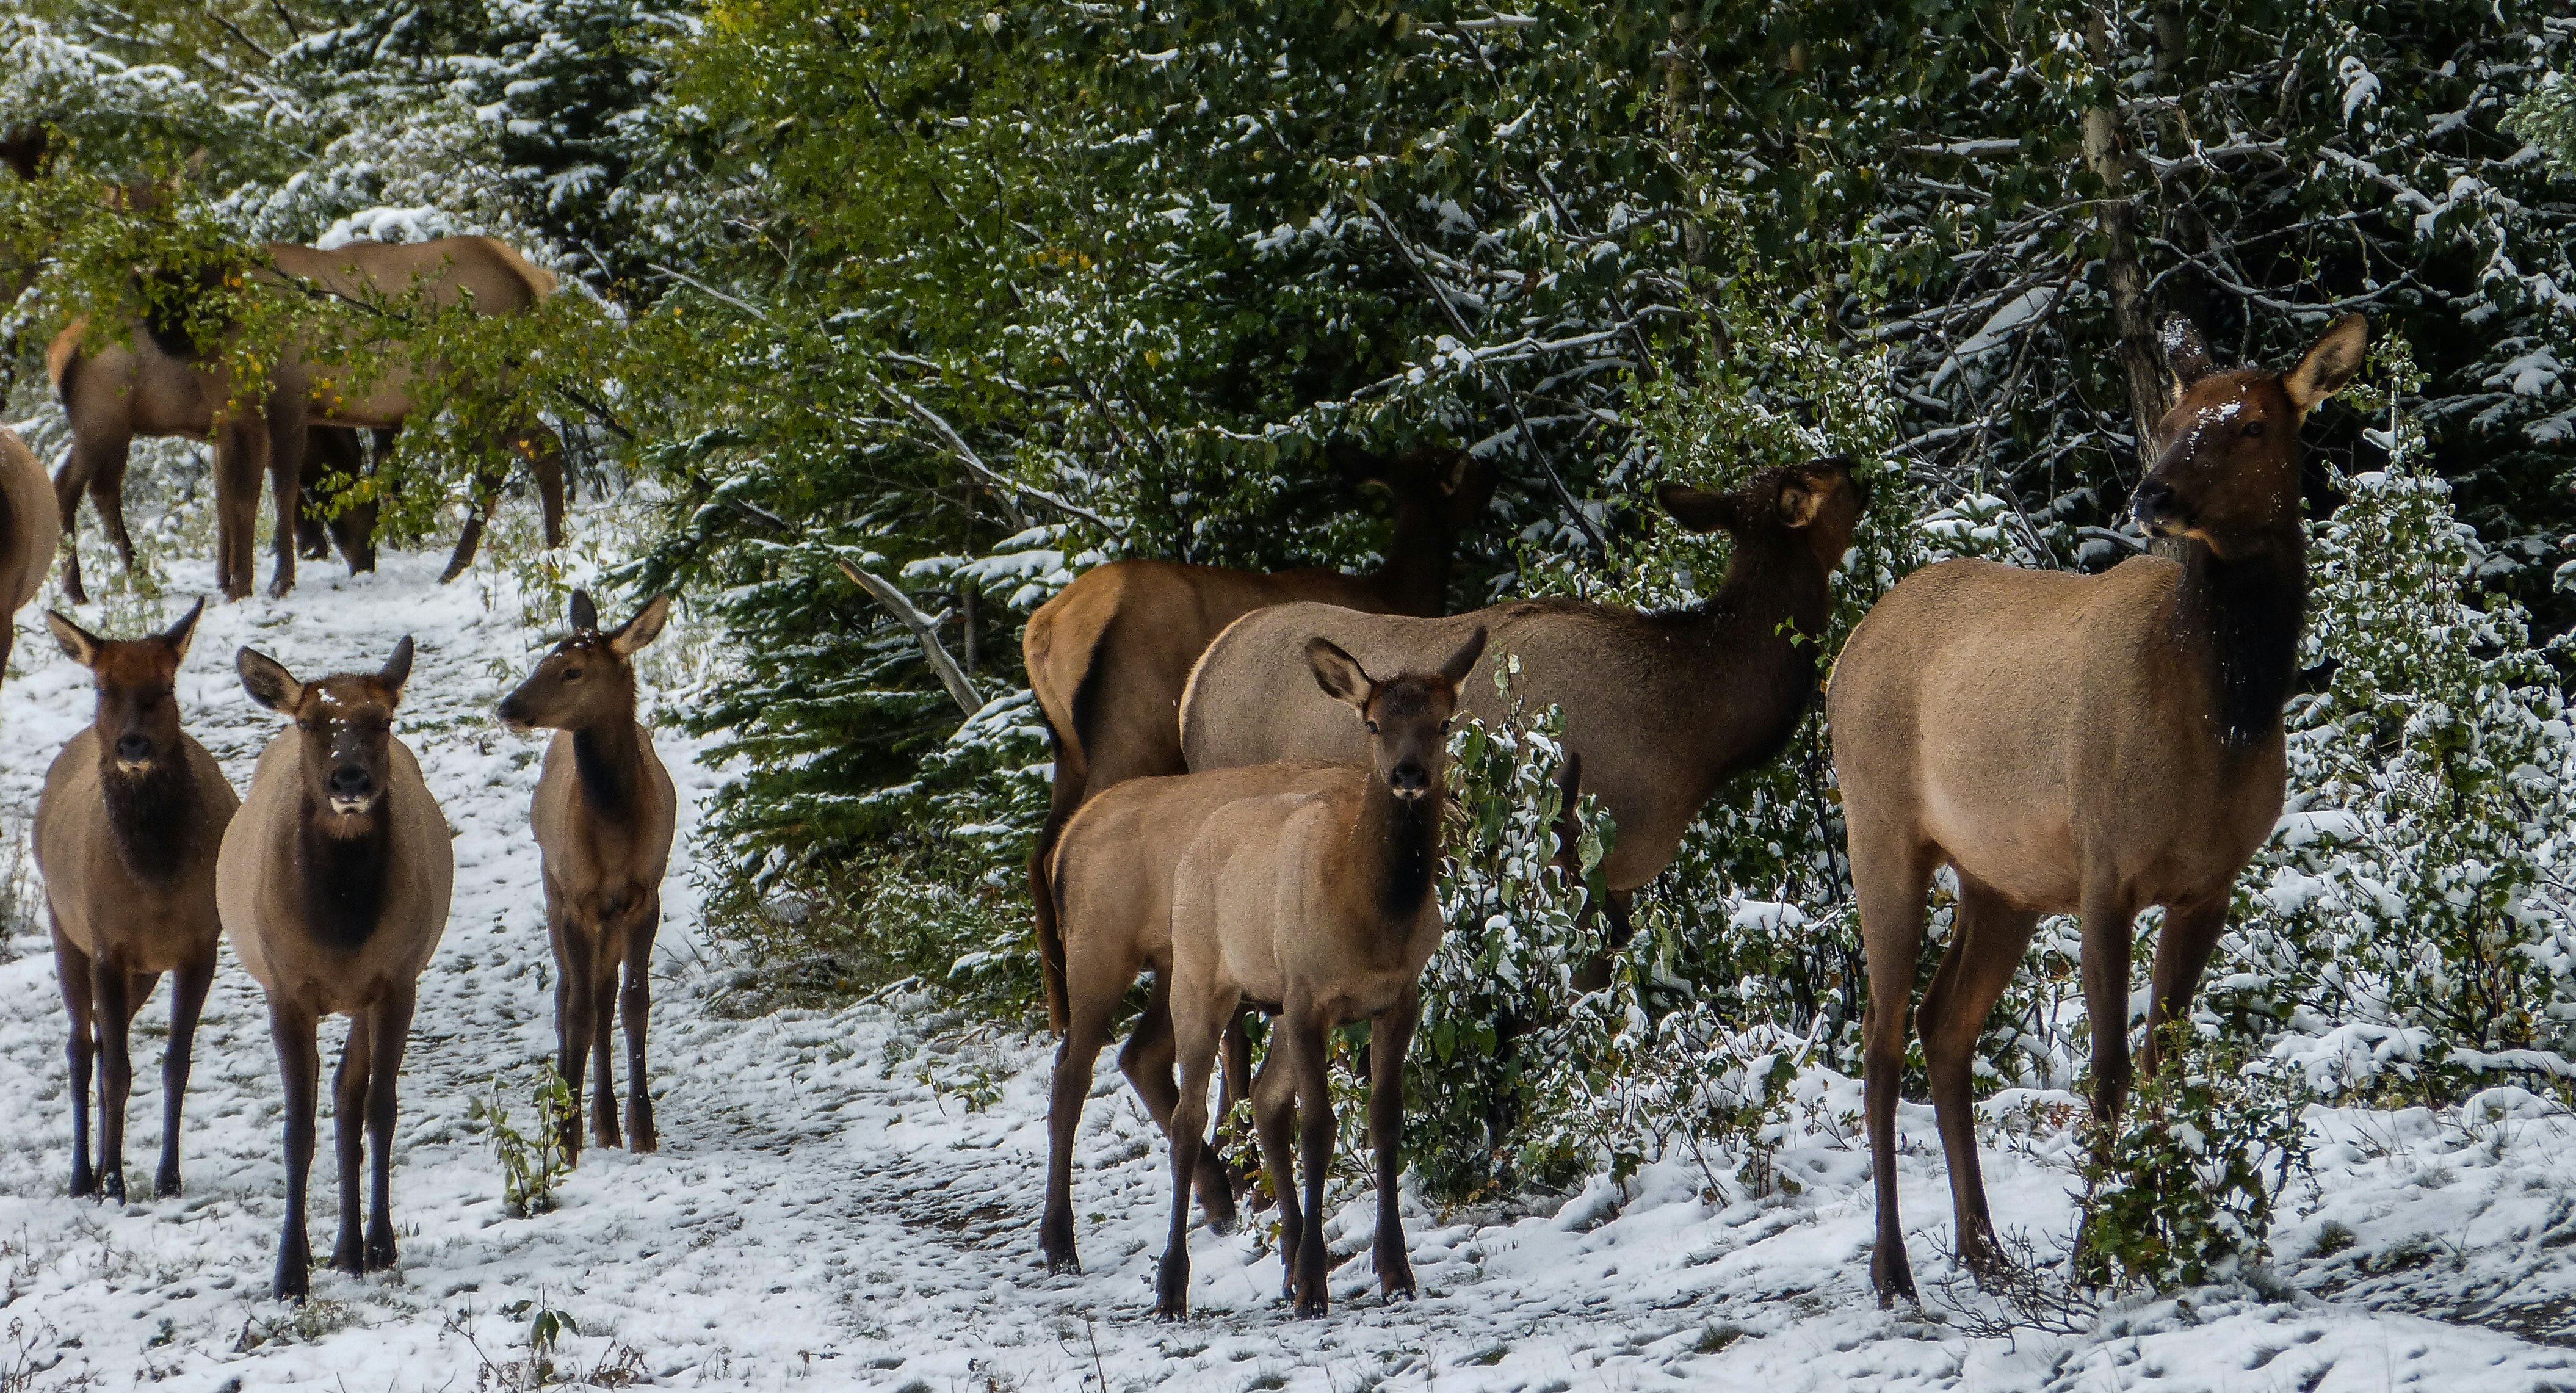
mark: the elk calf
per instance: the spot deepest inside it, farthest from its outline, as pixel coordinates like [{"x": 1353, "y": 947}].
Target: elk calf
[
  {"x": 126, "y": 832},
  {"x": 1315, "y": 899},
  {"x": 603, "y": 813},
  {"x": 333, "y": 884},
  {"x": 2084, "y": 744}
]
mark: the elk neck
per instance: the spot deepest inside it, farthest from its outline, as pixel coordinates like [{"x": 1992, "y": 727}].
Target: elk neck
[
  {"x": 608, "y": 761},
  {"x": 2240, "y": 616},
  {"x": 1415, "y": 578},
  {"x": 344, "y": 877},
  {"x": 1395, "y": 849},
  {"x": 151, "y": 816},
  {"x": 1742, "y": 695}
]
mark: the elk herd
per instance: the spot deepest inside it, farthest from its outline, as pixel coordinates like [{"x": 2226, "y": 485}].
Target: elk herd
[{"x": 1249, "y": 783}]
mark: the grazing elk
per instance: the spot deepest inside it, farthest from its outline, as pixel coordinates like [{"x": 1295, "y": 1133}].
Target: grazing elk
[
  {"x": 27, "y": 531},
  {"x": 1661, "y": 709},
  {"x": 1315, "y": 900},
  {"x": 337, "y": 452},
  {"x": 604, "y": 813},
  {"x": 333, "y": 884},
  {"x": 1109, "y": 655},
  {"x": 2071, "y": 743},
  {"x": 155, "y": 382},
  {"x": 126, "y": 833}
]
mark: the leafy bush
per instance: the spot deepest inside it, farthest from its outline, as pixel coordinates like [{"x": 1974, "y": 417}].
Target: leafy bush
[{"x": 531, "y": 1166}]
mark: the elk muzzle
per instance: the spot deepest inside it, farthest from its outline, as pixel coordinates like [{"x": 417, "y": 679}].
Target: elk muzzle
[
  {"x": 133, "y": 754},
  {"x": 352, "y": 790},
  {"x": 2160, "y": 509}
]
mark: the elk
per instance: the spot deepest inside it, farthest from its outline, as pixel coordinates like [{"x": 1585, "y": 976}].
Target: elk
[
  {"x": 155, "y": 382},
  {"x": 132, "y": 813},
  {"x": 1661, "y": 709},
  {"x": 2077, "y": 744},
  {"x": 1109, "y": 654},
  {"x": 329, "y": 452},
  {"x": 1316, "y": 901},
  {"x": 333, "y": 885},
  {"x": 27, "y": 531},
  {"x": 604, "y": 812}
]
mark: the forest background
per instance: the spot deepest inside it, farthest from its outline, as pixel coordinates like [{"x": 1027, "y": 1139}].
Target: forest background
[{"x": 965, "y": 300}]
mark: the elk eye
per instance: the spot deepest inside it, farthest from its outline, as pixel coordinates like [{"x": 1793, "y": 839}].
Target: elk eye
[
  {"x": 1372, "y": 727},
  {"x": 2253, "y": 429},
  {"x": 572, "y": 674}
]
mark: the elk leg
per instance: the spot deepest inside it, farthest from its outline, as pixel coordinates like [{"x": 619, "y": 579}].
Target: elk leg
[
  {"x": 1233, "y": 1081},
  {"x": 487, "y": 494},
  {"x": 1064, "y": 797},
  {"x": 299, "y": 1068},
  {"x": 286, "y": 485},
  {"x": 1147, "y": 1062},
  {"x": 1891, "y": 881},
  {"x": 635, "y": 1008},
  {"x": 544, "y": 451},
  {"x": 1274, "y": 1115},
  {"x": 88, "y": 459},
  {"x": 1304, "y": 1028},
  {"x": 2183, "y": 948},
  {"x": 107, "y": 495},
  {"x": 576, "y": 1008},
  {"x": 109, "y": 993},
  {"x": 72, "y": 968},
  {"x": 603, "y": 1026},
  {"x": 348, "y": 1135},
  {"x": 241, "y": 461},
  {"x": 187, "y": 1002},
  {"x": 1390, "y": 1035},
  {"x": 1985, "y": 950},
  {"x": 390, "y": 1026},
  {"x": 1199, "y": 1014},
  {"x": 1085, "y": 1032},
  {"x": 2107, "y": 927}
]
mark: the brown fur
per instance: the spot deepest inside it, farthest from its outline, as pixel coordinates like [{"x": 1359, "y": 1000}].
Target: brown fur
[
  {"x": 1316, "y": 900},
  {"x": 1660, "y": 708},
  {"x": 333, "y": 884},
  {"x": 603, "y": 814},
  {"x": 1109, "y": 654},
  {"x": 27, "y": 531},
  {"x": 139, "y": 387},
  {"x": 2076, "y": 744},
  {"x": 337, "y": 452},
  {"x": 125, "y": 838}
]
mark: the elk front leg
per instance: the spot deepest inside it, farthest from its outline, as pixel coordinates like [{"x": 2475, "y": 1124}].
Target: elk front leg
[
  {"x": 1147, "y": 1062},
  {"x": 299, "y": 1068},
  {"x": 1390, "y": 1035},
  {"x": 603, "y": 1029},
  {"x": 576, "y": 1011},
  {"x": 187, "y": 1002},
  {"x": 1891, "y": 880},
  {"x": 389, "y": 1025},
  {"x": 1304, "y": 1029},
  {"x": 635, "y": 1009},
  {"x": 1274, "y": 1123},
  {"x": 2183, "y": 948},
  {"x": 1199, "y": 1014},
  {"x": 72, "y": 968},
  {"x": 286, "y": 485},
  {"x": 109, "y": 988},
  {"x": 2108, "y": 928},
  {"x": 348, "y": 1134}
]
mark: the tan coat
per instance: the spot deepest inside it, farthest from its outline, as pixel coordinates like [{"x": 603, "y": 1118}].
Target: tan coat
[
  {"x": 29, "y": 523},
  {"x": 95, "y": 899}
]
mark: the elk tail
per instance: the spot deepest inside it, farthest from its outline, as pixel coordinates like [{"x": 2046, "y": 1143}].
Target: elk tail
[{"x": 62, "y": 358}]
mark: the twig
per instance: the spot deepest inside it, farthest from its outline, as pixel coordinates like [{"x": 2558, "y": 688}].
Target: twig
[{"x": 951, "y": 676}]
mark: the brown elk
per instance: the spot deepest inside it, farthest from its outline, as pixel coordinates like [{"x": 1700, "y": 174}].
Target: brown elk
[
  {"x": 1109, "y": 654},
  {"x": 153, "y": 383},
  {"x": 27, "y": 531},
  {"x": 604, "y": 813},
  {"x": 2077, "y": 744},
  {"x": 337, "y": 452},
  {"x": 333, "y": 884},
  {"x": 126, "y": 832},
  {"x": 1317, "y": 901},
  {"x": 1661, "y": 709}
]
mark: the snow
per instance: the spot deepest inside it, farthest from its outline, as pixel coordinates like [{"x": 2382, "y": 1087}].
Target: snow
[{"x": 848, "y": 1198}]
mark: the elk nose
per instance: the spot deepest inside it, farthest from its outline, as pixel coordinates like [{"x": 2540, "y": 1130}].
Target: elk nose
[
  {"x": 351, "y": 782},
  {"x": 1410, "y": 777},
  {"x": 2155, "y": 499},
  {"x": 133, "y": 749}
]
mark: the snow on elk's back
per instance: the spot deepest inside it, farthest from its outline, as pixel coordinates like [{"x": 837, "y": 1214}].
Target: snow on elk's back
[{"x": 851, "y": 1198}]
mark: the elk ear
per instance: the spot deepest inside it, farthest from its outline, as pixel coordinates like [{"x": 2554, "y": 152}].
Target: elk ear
[
  {"x": 585, "y": 615},
  {"x": 79, "y": 643},
  {"x": 397, "y": 670},
  {"x": 2328, "y": 364},
  {"x": 184, "y": 632},
  {"x": 1338, "y": 673},
  {"x": 2185, "y": 354},
  {"x": 1699, "y": 511},
  {"x": 645, "y": 627},
  {"x": 1463, "y": 661},
  {"x": 1801, "y": 498},
  {"x": 268, "y": 681}
]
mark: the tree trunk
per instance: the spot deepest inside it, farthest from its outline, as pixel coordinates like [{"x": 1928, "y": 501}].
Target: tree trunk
[{"x": 2106, "y": 153}]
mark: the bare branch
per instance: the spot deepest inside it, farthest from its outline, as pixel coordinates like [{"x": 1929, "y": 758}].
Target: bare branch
[{"x": 960, "y": 690}]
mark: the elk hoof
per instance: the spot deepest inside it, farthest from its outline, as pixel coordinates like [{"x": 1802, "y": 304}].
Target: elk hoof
[
  {"x": 1313, "y": 1307},
  {"x": 1172, "y": 1288},
  {"x": 294, "y": 1279},
  {"x": 84, "y": 1180},
  {"x": 1395, "y": 1277},
  {"x": 380, "y": 1249},
  {"x": 165, "y": 1185},
  {"x": 111, "y": 1183},
  {"x": 1892, "y": 1277},
  {"x": 640, "y": 1133}
]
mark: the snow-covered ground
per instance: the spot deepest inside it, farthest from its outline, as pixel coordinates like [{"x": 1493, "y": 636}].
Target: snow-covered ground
[{"x": 849, "y": 1199}]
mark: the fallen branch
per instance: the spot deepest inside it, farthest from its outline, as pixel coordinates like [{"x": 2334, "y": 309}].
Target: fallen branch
[{"x": 951, "y": 676}]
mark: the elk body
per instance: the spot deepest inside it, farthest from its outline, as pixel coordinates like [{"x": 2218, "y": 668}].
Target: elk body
[
  {"x": 1109, "y": 655},
  {"x": 333, "y": 883},
  {"x": 604, "y": 813},
  {"x": 1661, "y": 709},
  {"x": 132, "y": 815},
  {"x": 1315, "y": 900},
  {"x": 27, "y": 531},
  {"x": 157, "y": 384},
  {"x": 2084, "y": 744}
]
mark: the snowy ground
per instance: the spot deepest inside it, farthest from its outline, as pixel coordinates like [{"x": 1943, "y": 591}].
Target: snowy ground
[{"x": 849, "y": 1199}]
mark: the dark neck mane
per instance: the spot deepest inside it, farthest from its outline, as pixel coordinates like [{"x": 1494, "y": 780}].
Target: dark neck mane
[
  {"x": 1398, "y": 849},
  {"x": 609, "y": 766},
  {"x": 344, "y": 877},
  {"x": 1415, "y": 578},
  {"x": 152, "y": 816},
  {"x": 1762, "y": 633},
  {"x": 2244, "y": 615}
]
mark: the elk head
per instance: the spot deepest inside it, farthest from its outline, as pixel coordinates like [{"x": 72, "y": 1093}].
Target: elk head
[
  {"x": 344, "y": 731},
  {"x": 590, "y": 676},
  {"x": 1408, "y": 715},
  {"x": 1816, "y": 504},
  {"x": 138, "y": 707},
  {"x": 2228, "y": 470}
]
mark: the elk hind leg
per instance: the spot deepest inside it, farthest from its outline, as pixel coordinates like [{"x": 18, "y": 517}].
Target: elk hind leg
[
  {"x": 1086, "y": 1029},
  {"x": 1891, "y": 875},
  {"x": 1302, "y": 1028},
  {"x": 72, "y": 967},
  {"x": 1274, "y": 1122},
  {"x": 348, "y": 1135},
  {"x": 1198, "y": 1016},
  {"x": 1986, "y": 948},
  {"x": 635, "y": 1010},
  {"x": 1147, "y": 1062}
]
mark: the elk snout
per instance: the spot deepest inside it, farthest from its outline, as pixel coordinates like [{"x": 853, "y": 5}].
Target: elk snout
[
  {"x": 351, "y": 789},
  {"x": 514, "y": 715},
  {"x": 1409, "y": 779},
  {"x": 133, "y": 753},
  {"x": 2159, "y": 509}
]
